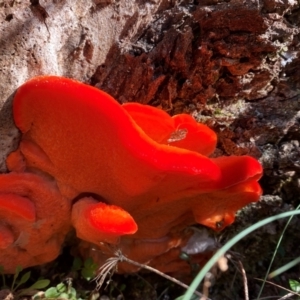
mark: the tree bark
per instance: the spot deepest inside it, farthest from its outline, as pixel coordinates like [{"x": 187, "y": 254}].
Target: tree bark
[{"x": 216, "y": 59}]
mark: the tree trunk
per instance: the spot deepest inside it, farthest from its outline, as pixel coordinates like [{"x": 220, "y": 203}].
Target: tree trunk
[{"x": 233, "y": 65}]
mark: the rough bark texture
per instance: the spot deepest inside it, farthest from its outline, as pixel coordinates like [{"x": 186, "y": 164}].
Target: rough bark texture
[{"x": 232, "y": 64}]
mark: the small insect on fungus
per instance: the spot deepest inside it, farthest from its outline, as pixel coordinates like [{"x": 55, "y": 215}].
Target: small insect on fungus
[{"x": 177, "y": 135}]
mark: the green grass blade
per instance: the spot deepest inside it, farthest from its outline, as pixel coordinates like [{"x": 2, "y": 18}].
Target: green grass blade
[
  {"x": 194, "y": 285},
  {"x": 284, "y": 268},
  {"x": 274, "y": 254}
]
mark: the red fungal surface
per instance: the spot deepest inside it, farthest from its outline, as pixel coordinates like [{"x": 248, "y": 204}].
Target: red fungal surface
[
  {"x": 151, "y": 170},
  {"x": 179, "y": 131},
  {"x": 34, "y": 220},
  {"x": 110, "y": 218},
  {"x": 98, "y": 222}
]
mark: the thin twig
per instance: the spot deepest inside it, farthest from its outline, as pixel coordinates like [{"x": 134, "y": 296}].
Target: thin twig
[
  {"x": 109, "y": 267},
  {"x": 124, "y": 258},
  {"x": 279, "y": 286},
  {"x": 206, "y": 285},
  {"x": 287, "y": 296},
  {"x": 245, "y": 281},
  {"x": 268, "y": 297}
]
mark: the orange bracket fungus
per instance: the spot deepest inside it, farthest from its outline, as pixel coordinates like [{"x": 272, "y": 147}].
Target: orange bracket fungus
[{"x": 126, "y": 177}]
